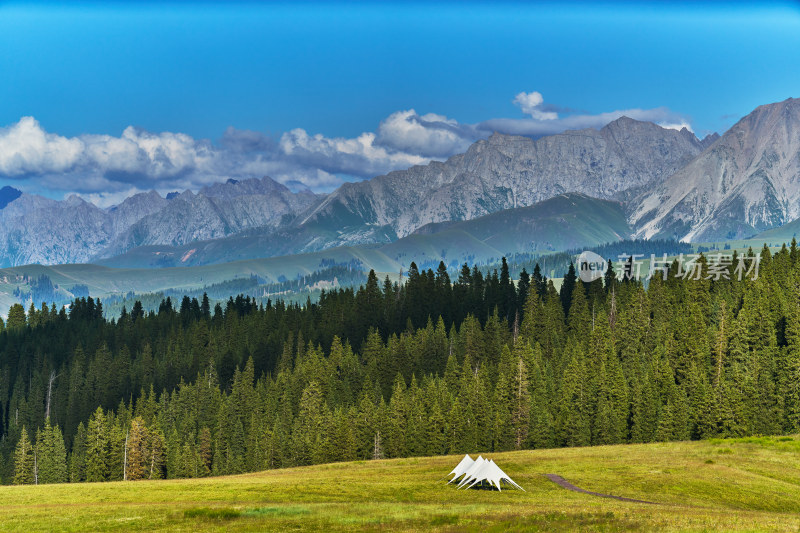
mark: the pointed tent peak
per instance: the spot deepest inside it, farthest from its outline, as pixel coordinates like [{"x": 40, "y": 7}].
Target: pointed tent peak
[{"x": 461, "y": 467}]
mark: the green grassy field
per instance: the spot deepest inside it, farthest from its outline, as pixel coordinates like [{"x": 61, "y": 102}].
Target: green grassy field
[{"x": 728, "y": 485}]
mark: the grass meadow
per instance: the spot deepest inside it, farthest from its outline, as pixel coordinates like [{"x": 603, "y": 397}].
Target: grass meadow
[{"x": 750, "y": 484}]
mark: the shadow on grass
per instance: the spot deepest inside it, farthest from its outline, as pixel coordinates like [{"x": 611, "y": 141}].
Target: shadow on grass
[
  {"x": 212, "y": 514},
  {"x": 276, "y": 511}
]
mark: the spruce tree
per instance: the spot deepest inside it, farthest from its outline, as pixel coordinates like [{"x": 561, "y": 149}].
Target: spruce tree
[
  {"x": 77, "y": 458},
  {"x": 24, "y": 460},
  {"x": 137, "y": 450},
  {"x": 308, "y": 430},
  {"x": 395, "y": 443},
  {"x": 16, "y": 318},
  {"x": 97, "y": 468},
  {"x": 205, "y": 452},
  {"x": 51, "y": 455},
  {"x": 520, "y": 412},
  {"x": 567, "y": 286},
  {"x": 435, "y": 431},
  {"x": 157, "y": 454},
  {"x": 572, "y": 423},
  {"x": 502, "y": 422}
]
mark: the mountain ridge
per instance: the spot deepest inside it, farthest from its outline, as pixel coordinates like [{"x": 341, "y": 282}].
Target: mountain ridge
[
  {"x": 35, "y": 229},
  {"x": 506, "y": 171}
]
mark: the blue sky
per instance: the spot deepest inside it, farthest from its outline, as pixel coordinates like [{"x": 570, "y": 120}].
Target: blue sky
[{"x": 131, "y": 96}]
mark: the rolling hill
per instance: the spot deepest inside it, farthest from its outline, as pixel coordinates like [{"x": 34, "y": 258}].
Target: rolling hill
[{"x": 564, "y": 222}]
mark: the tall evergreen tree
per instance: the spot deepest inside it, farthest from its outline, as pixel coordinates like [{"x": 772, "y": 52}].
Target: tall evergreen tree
[
  {"x": 51, "y": 455},
  {"x": 97, "y": 447},
  {"x": 24, "y": 473}
]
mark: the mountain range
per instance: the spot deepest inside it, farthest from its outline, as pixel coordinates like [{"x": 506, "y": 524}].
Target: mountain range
[
  {"x": 35, "y": 229},
  {"x": 504, "y": 194}
]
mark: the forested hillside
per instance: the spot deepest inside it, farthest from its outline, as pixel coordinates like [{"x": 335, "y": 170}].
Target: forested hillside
[{"x": 430, "y": 366}]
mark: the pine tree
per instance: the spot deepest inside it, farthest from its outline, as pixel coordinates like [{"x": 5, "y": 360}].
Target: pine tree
[
  {"x": 520, "y": 395},
  {"x": 572, "y": 423},
  {"x": 136, "y": 451},
  {"x": 24, "y": 460},
  {"x": 205, "y": 452},
  {"x": 77, "y": 459},
  {"x": 51, "y": 455},
  {"x": 16, "y": 318},
  {"x": 436, "y": 431},
  {"x": 97, "y": 468},
  {"x": 394, "y": 440}
]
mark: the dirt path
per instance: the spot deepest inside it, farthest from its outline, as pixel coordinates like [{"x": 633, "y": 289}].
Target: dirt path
[{"x": 569, "y": 486}]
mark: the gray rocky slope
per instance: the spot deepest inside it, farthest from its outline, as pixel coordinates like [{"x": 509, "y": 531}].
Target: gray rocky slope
[
  {"x": 34, "y": 229},
  {"x": 217, "y": 211},
  {"x": 745, "y": 182},
  {"x": 506, "y": 171}
]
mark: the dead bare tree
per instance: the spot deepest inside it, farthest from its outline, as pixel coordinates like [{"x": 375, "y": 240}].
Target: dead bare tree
[{"x": 50, "y": 381}]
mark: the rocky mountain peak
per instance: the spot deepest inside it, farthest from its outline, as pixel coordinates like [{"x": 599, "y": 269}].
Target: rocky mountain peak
[
  {"x": 747, "y": 181},
  {"x": 8, "y": 195},
  {"x": 233, "y": 188},
  {"x": 709, "y": 139},
  {"x": 507, "y": 171}
]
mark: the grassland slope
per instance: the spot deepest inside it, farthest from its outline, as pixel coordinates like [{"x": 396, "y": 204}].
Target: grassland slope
[{"x": 748, "y": 484}]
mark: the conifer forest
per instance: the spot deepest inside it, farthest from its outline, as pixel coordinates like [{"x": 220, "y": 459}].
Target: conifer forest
[{"x": 437, "y": 364}]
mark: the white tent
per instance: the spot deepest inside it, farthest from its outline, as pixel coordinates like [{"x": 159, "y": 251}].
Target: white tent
[
  {"x": 476, "y": 472},
  {"x": 491, "y": 473},
  {"x": 461, "y": 468}
]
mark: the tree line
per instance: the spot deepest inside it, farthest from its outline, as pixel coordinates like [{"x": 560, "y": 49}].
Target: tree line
[{"x": 426, "y": 367}]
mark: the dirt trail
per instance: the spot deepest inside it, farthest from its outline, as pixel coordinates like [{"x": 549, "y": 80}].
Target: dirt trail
[{"x": 569, "y": 486}]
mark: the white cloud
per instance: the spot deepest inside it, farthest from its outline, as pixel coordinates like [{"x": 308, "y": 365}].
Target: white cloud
[
  {"x": 359, "y": 156},
  {"x": 676, "y": 125},
  {"x": 531, "y": 104},
  {"x": 25, "y": 148},
  {"x": 106, "y": 199},
  {"x": 313, "y": 178},
  {"x": 428, "y": 135}
]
